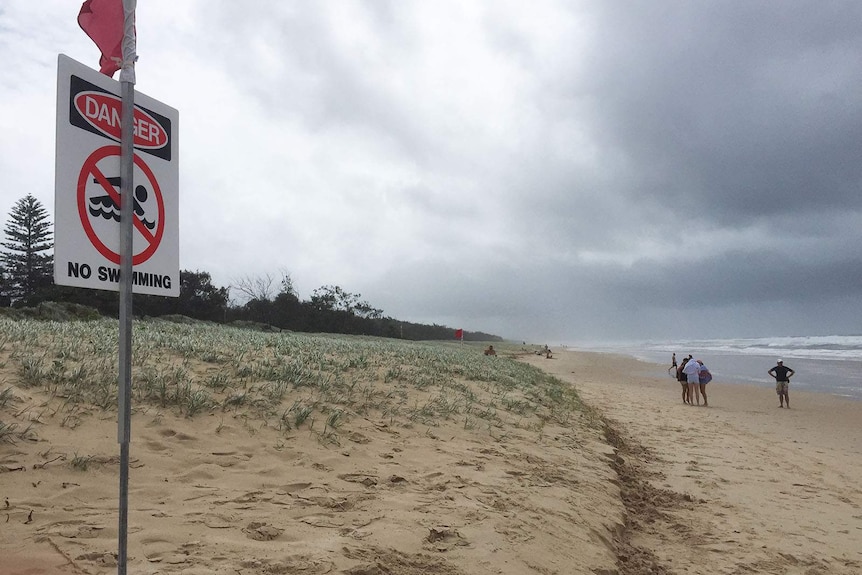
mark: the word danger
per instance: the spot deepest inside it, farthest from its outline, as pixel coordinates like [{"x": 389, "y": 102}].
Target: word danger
[
  {"x": 109, "y": 274},
  {"x": 102, "y": 111}
]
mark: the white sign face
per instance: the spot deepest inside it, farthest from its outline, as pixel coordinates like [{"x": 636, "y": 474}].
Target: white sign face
[{"x": 87, "y": 186}]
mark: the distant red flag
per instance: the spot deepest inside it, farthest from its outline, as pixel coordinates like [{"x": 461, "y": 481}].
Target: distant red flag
[
  {"x": 102, "y": 20},
  {"x": 459, "y": 334}
]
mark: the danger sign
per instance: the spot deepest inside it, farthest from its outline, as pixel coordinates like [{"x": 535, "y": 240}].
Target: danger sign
[{"x": 88, "y": 186}]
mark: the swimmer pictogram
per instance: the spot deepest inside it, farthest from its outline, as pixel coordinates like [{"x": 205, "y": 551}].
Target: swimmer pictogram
[{"x": 106, "y": 207}]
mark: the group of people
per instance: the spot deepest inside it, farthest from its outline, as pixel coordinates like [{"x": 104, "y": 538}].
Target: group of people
[{"x": 693, "y": 376}]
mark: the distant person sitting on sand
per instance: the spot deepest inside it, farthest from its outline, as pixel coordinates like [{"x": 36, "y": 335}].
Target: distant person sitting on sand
[
  {"x": 490, "y": 350},
  {"x": 782, "y": 375}
]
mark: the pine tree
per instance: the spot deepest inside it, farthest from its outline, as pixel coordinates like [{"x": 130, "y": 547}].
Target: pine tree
[
  {"x": 28, "y": 234},
  {"x": 5, "y": 300}
]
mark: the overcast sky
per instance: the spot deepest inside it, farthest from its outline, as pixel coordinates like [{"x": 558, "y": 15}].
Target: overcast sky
[{"x": 552, "y": 171}]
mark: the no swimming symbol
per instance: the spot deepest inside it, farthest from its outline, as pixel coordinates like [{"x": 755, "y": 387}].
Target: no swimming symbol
[{"x": 99, "y": 206}]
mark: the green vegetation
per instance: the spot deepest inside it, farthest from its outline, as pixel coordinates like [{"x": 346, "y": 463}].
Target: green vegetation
[
  {"x": 25, "y": 262},
  {"x": 283, "y": 380}
]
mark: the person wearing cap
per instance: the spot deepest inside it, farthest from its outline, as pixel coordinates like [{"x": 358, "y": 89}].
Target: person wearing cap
[{"x": 782, "y": 375}]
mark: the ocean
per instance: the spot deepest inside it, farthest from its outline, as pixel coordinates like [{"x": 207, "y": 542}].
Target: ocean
[{"x": 823, "y": 364}]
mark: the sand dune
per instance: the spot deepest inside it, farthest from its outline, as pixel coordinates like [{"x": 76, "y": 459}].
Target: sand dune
[{"x": 228, "y": 493}]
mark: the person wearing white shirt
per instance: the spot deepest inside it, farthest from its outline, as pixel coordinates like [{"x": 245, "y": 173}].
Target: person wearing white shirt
[{"x": 692, "y": 371}]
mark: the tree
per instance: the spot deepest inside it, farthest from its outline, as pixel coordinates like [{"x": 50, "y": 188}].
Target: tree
[
  {"x": 333, "y": 298},
  {"x": 29, "y": 268},
  {"x": 199, "y": 298},
  {"x": 287, "y": 287},
  {"x": 5, "y": 299},
  {"x": 262, "y": 287}
]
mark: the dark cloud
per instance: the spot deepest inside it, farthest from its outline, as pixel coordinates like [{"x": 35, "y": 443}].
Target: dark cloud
[{"x": 744, "y": 110}]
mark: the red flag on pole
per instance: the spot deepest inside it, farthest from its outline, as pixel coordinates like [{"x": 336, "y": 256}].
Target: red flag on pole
[
  {"x": 459, "y": 334},
  {"x": 102, "y": 20}
]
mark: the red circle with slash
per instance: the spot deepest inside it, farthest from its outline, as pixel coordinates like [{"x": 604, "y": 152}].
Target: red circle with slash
[{"x": 91, "y": 169}]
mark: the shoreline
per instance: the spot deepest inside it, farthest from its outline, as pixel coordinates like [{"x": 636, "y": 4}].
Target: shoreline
[
  {"x": 832, "y": 376},
  {"x": 840, "y": 415}
]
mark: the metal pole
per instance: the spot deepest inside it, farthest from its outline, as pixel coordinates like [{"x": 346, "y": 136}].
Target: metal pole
[
  {"x": 127, "y": 171},
  {"x": 125, "y": 366}
]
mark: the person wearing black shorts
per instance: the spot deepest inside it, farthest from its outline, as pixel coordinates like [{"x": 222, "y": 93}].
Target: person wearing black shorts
[{"x": 682, "y": 378}]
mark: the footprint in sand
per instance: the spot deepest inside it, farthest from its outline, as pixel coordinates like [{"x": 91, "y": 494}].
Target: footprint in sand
[
  {"x": 323, "y": 520},
  {"x": 176, "y": 435},
  {"x": 156, "y": 549},
  {"x": 219, "y": 521},
  {"x": 155, "y": 445},
  {"x": 357, "y": 437},
  {"x": 514, "y": 532},
  {"x": 104, "y": 559},
  {"x": 81, "y": 532},
  {"x": 262, "y": 531},
  {"x": 304, "y": 564},
  {"x": 443, "y": 539},
  {"x": 364, "y": 478},
  {"x": 292, "y": 488}
]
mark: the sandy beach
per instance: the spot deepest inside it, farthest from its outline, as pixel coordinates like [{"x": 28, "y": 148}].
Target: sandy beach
[
  {"x": 741, "y": 486},
  {"x": 636, "y": 483}
]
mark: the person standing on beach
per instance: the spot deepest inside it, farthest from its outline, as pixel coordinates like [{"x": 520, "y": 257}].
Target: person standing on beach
[
  {"x": 704, "y": 377},
  {"x": 692, "y": 372},
  {"x": 782, "y": 375},
  {"x": 682, "y": 378}
]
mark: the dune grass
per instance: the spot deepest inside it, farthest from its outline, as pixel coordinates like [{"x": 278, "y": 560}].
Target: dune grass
[{"x": 287, "y": 381}]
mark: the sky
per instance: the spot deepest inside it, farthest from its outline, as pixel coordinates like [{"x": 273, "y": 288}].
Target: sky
[{"x": 548, "y": 171}]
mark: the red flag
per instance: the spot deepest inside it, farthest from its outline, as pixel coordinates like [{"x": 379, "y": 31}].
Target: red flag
[
  {"x": 102, "y": 20},
  {"x": 459, "y": 334}
]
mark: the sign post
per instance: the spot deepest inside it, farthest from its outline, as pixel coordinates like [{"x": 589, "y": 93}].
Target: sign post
[
  {"x": 127, "y": 174},
  {"x": 107, "y": 196}
]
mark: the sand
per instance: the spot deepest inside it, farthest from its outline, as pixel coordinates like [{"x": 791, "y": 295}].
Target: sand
[
  {"x": 764, "y": 489},
  {"x": 642, "y": 484}
]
